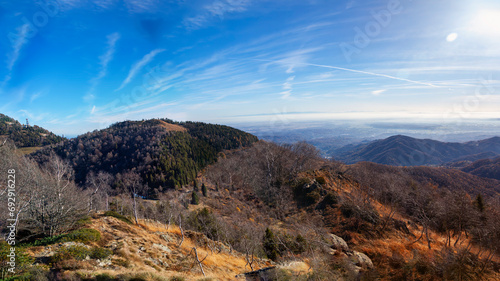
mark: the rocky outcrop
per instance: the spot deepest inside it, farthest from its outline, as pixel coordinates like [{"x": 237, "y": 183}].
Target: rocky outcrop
[
  {"x": 337, "y": 243},
  {"x": 361, "y": 260},
  {"x": 358, "y": 261}
]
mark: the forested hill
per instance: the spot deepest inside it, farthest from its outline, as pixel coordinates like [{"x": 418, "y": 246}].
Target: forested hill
[
  {"x": 26, "y": 136},
  {"x": 165, "y": 154}
]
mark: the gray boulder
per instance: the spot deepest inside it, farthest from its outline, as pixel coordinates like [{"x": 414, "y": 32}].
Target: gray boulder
[
  {"x": 338, "y": 243},
  {"x": 361, "y": 260}
]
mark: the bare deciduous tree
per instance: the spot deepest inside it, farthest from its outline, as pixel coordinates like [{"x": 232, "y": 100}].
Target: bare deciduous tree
[
  {"x": 133, "y": 183},
  {"x": 58, "y": 203},
  {"x": 98, "y": 184}
]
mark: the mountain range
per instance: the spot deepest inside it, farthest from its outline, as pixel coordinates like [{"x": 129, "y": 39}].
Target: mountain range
[{"x": 407, "y": 151}]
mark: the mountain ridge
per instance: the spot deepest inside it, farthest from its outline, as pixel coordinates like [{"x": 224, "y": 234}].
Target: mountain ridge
[
  {"x": 25, "y": 135},
  {"x": 400, "y": 150}
]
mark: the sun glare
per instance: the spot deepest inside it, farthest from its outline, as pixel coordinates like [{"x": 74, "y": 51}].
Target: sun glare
[
  {"x": 486, "y": 22},
  {"x": 451, "y": 37}
]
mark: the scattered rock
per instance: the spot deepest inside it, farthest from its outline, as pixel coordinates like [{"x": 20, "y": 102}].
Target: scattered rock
[
  {"x": 104, "y": 263},
  {"x": 164, "y": 249},
  {"x": 166, "y": 237},
  {"x": 338, "y": 243},
  {"x": 361, "y": 260}
]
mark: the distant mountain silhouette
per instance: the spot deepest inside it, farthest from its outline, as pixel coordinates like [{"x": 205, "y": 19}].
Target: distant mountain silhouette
[{"x": 407, "y": 151}]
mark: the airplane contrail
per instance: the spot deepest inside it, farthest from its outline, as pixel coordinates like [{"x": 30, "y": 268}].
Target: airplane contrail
[{"x": 360, "y": 71}]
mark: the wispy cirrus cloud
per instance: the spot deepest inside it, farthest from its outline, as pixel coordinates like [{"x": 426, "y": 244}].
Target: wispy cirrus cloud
[
  {"x": 103, "y": 62},
  {"x": 138, "y": 66},
  {"x": 217, "y": 9},
  {"x": 133, "y": 6},
  {"x": 17, "y": 45},
  {"x": 287, "y": 88},
  {"x": 35, "y": 96},
  {"x": 141, "y": 6}
]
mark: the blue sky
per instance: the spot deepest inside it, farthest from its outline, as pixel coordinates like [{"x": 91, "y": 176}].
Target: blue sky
[{"x": 77, "y": 65}]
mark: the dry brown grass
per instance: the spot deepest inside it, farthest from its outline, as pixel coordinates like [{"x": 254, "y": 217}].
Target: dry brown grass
[
  {"x": 28, "y": 150},
  {"x": 136, "y": 250},
  {"x": 172, "y": 127}
]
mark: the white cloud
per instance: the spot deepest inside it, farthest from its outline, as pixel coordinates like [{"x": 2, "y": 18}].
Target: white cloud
[
  {"x": 105, "y": 4},
  {"x": 108, "y": 56},
  {"x": 138, "y": 66},
  {"x": 218, "y": 8},
  {"x": 133, "y": 6},
  {"x": 378, "y": 92},
  {"x": 287, "y": 86},
  {"x": 17, "y": 45},
  {"x": 22, "y": 32},
  {"x": 35, "y": 96},
  {"x": 103, "y": 62},
  {"x": 141, "y": 6}
]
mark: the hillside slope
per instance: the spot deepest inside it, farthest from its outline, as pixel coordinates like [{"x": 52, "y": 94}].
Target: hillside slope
[
  {"x": 26, "y": 136},
  {"x": 451, "y": 179},
  {"x": 486, "y": 168},
  {"x": 406, "y": 151},
  {"x": 150, "y": 249},
  {"x": 164, "y": 153}
]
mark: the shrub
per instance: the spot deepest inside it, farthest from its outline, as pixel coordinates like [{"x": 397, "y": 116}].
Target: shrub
[
  {"x": 300, "y": 245},
  {"x": 100, "y": 253},
  {"x": 118, "y": 216},
  {"x": 77, "y": 252},
  {"x": 83, "y": 235},
  {"x": 270, "y": 245},
  {"x": 205, "y": 222},
  {"x": 177, "y": 278},
  {"x": 195, "y": 200},
  {"x": 204, "y": 190},
  {"x": 47, "y": 241},
  {"x": 329, "y": 200},
  {"x": 84, "y": 221},
  {"x": 105, "y": 277},
  {"x": 305, "y": 193},
  {"x": 321, "y": 180}
]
